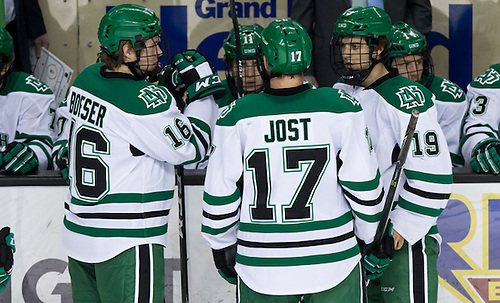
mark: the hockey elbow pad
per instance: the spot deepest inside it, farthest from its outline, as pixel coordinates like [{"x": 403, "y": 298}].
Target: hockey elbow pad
[
  {"x": 225, "y": 259},
  {"x": 19, "y": 158}
]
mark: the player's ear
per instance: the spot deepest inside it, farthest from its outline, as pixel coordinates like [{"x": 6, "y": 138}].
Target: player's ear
[{"x": 128, "y": 53}]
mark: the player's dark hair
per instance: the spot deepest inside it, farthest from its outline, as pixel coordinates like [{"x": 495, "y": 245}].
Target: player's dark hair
[{"x": 113, "y": 61}]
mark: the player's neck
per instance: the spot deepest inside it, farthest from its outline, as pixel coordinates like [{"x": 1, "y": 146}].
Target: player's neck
[
  {"x": 121, "y": 69},
  {"x": 286, "y": 81},
  {"x": 377, "y": 72}
]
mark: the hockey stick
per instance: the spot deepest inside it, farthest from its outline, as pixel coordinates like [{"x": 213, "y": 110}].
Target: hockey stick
[
  {"x": 239, "y": 79},
  {"x": 396, "y": 176},
  {"x": 182, "y": 233}
]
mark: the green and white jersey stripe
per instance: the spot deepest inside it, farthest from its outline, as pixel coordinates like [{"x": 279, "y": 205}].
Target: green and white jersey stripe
[
  {"x": 310, "y": 185},
  {"x": 24, "y": 115},
  {"x": 425, "y": 185},
  {"x": 483, "y": 119},
  {"x": 126, "y": 135}
]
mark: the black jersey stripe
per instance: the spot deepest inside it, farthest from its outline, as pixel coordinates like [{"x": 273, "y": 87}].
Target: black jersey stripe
[
  {"x": 308, "y": 243},
  {"x": 220, "y": 217},
  {"x": 425, "y": 194},
  {"x": 120, "y": 216},
  {"x": 418, "y": 272},
  {"x": 144, "y": 273},
  {"x": 364, "y": 202},
  {"x": 200, "y": 137}
]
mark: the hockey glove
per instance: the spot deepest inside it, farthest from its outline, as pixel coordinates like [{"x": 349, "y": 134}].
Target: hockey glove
[
  {"x": 486, "y": 156},
  {"x": 225, "y": 259},
  {"x": 173, "y": 82},
  {"x": 19, "y": 158},
  {"x": 377, "y": 259},
  {"x": 7, "y": 249},
  {"x": 197, "y": 74},
  {"x": 62, "y": 162}
]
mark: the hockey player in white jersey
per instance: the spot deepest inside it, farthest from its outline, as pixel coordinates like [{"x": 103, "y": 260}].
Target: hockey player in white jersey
[
  {"x": 409, "y": 54},
  {"x": 25, "y": 137},
  {"x": 310, "y": 184},
  {"x": 126, "y": 135},
  {"x": 360, "y": 47},
  {"x": 480, "y": 142}
]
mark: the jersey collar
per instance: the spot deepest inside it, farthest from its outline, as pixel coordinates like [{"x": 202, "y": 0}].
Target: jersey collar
[
  {"x": 286, "y": 91},
  {"x": 392, "y": 73}
]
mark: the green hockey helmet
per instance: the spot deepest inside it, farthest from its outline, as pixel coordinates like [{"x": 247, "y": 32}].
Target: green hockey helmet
[
  {"x": 410, "y": 55},
  {"x": 249, "y": 39},
  {"x": 406, "y": 40},
  {"x": 287, "y": 48},
  {"x": 6, "y": 53},
  {"x": 127, "y": 22},
  {"x": 6, "y": 43},
  {"x": 371, "y": 22},
  {"x": 375, "y": 26}
]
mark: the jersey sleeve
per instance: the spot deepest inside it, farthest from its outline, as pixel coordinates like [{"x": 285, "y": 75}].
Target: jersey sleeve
[
  {"x": 425, "y": 186},
  {"x": 359, "y": 177},
  {"x": 61, "y": 129},
  {"x": 482, "y": 119},
  {"x": 33, "y": 128},
  {"x": 222, "y": 198},
  {"x": 174, "y": 137}
]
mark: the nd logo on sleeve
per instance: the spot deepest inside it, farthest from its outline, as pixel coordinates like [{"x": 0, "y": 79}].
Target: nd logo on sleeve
[{"x": 37, "y": 84}]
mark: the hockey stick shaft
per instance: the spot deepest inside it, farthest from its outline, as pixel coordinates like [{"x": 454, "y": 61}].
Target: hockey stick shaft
[
  {"x": 396, "y": 176},
  {"x": 182, "y": 233},
  {"x": 239, "y": 60}
]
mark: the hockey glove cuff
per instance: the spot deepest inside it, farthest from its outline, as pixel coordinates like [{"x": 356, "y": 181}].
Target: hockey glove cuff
[
  {"x": 62, "y": 161},
  {"x": 225, "y": 259},
  {"x": 377, "y": 259},
  {"x": 486, "y": 156},
  {"x": 7, "y": 249},
  {"x": 197, "y": 74},
  {"x": 19, "y": 158}
]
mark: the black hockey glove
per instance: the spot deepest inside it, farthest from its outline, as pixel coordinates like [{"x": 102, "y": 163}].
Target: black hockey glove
[
  {"x": 7, "y": 249},
  {"x": 486, "y": 156},
  {"x": 225, "y": 259},
  {"x": 377, "y": 259},
  {"x": 62, "y": 161},
  {"x": 173, "y": 82},
  {"x": 19, "y": 158},
  {"x": 197, "y": 75}
]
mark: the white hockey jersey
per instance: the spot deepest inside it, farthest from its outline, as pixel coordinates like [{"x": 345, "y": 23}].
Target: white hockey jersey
[
  {"x": 483, "y": 118},
  {"x": 126, "y": 135},
  {"x": 310, "y": 183},
  {"x": 451, "y": 107},
  {"x": 425, "y": 185},
  {"x": 24, "y": 115}
]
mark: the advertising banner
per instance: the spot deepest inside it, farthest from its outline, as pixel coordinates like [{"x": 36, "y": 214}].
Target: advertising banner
[{"x": 468, "y": 266}]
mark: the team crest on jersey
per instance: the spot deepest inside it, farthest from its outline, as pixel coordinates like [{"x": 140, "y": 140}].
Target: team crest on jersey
[
  {"x": 227, "y": 110},
  {"x": 153, "y": 96},
  {"x": 411, "y": 96},
  {"x": 488, "y": 77},
  {"x": 37, "y": 84},
  {"x": 449, "y": 87},
  {"x": 344, "y": 95}
]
